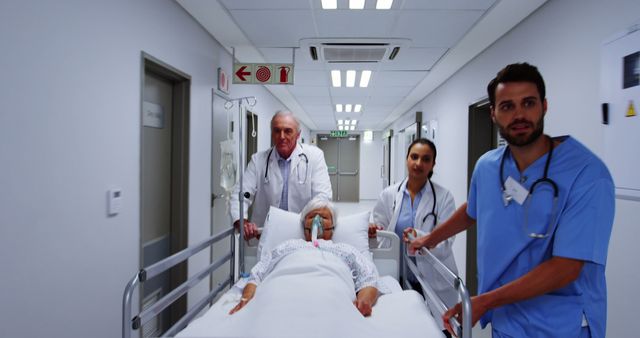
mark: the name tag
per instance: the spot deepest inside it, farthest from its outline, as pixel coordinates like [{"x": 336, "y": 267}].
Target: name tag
[{"x": 515, "y": 190}]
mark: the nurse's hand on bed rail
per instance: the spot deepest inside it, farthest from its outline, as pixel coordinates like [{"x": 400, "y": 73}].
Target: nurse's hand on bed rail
[
  {"x": 373, "y": 229},
  {"x": 247, "y": 294},
  {"x": 251, "y": 230},
  {"x": 478, "y": 309},
  {"x": 365, "y": 300}
]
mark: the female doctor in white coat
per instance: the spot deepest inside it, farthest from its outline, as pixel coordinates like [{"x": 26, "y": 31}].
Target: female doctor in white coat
[{"x": 417, "y": 202}]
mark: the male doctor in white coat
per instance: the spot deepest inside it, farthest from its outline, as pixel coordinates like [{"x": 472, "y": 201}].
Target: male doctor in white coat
[{"x": 286, "y": 178}]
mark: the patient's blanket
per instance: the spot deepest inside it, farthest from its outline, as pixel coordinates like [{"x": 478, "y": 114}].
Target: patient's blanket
[{"x": 310, "y": 293}]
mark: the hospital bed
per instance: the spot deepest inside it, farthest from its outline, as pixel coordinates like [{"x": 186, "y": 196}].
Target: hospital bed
[{"x": 399, "y": 312}]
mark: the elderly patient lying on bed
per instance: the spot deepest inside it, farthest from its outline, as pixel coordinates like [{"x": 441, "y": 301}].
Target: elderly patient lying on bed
[{"x": 320, "y": 260}]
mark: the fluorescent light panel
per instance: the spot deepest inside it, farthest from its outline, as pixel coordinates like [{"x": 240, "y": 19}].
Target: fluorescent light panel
[
  {"x": 329, "y": 4},
  {"x": 356, "y": 4},
  {"x": 384, "y": 4},
  {"x": 357, "y": 108},
  {"x": 339, "y": 108},
  {"x": 353, "y": 127},
  {"x": 340, "y": 127},
  {"x": 353, "y": 122},
  {"x": 351, "y": 78},
  {"x": 340, "y": 121},
  {"x": 335, "y": 78},
  {"x": 347, "y": 108},
  {"x": 364, "y": 78}
]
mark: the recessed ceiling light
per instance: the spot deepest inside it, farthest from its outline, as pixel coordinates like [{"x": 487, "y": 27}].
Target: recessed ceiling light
[
  {"x": 329, "y": 4},
  {"x": 340, "y": 127},
  {"x": 340, "y": 121},
  {"x": 356, "y": 4},
  {"x": 353, "y": 122},
  {"x": 335, "y": 78},
  {"x": 346, "y": 122},
  {"x": 351, "y": 78},
  {"x": 353, "y": 127},
  {"x": 364, "y": 78},
  {"x": 347, "y": 108},
  {"x": 339, "y": 108},
  {"x": 357, "y": 108},
  {"x": 384, "y": 4}
]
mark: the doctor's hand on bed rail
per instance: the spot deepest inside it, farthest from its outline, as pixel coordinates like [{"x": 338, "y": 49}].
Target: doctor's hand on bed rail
[
  {"x": 251, "y": 230},
  {"x": 373, "y": 229},
  {"x": 365, "y": 300},
  {"x": 415, "y": 243},
  {"x": 247, "y": 294}
]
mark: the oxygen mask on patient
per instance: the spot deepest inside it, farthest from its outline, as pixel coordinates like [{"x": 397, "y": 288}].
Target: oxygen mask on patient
[{"x": 316, "y": 229}]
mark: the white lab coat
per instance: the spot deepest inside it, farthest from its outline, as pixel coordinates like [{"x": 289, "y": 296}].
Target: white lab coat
[
  {"x": 386, "y": 216},
  {"x": 264, "y": 194}
]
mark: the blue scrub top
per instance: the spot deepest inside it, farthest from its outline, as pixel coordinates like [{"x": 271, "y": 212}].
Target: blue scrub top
[
  {"x": 580, "y": 230},
  {"x": 408, "y": 211}
]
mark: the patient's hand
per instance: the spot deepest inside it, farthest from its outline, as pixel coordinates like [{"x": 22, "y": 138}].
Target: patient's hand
[
  {"x": 247, "y": 295},
  {"x": 365, "y": 300}
]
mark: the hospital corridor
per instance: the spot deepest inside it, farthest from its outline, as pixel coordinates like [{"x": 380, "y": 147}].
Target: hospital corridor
[{"x": 319, "y": 168}]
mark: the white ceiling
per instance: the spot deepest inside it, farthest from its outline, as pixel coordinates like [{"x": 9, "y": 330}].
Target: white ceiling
[{"x": 437, "y": 37}]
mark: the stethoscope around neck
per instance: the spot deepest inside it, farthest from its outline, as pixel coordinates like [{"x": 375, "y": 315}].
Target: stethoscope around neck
[
  {"x": 507, "y": 198},
  {"x": 302, "y": 180},
  {"x": 433, "y": 207}
]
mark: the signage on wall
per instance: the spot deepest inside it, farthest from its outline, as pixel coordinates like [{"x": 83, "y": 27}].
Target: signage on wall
[
  {"x": 263, "y": 73},
  {"x": 338, "y": 133},
  {"x": 223, "y": 81}
]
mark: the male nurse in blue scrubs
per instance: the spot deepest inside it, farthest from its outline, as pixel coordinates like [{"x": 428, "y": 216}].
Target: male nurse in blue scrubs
[{"x": 544, "y": 209}]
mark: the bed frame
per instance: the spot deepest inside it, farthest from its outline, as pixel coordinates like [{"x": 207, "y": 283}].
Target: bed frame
[{"x": 386, "y": 255}]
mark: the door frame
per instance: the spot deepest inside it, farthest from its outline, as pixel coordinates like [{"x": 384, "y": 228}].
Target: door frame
[
  {"x": 482, "y": 138},
  {"x": 179, "y": 228}
]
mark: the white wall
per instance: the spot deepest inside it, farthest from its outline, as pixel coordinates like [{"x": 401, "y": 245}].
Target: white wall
[
  {"x": 563, "y": 38},
  {"x": 70, "y": 130}
]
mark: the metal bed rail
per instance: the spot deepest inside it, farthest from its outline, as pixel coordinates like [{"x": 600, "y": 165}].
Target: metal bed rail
[
  {"x": 456, "y": 282},
  {"x": 130, "y": 323}
]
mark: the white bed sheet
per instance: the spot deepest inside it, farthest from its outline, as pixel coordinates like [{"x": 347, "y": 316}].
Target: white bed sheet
[{"x": 400, "y": 313}]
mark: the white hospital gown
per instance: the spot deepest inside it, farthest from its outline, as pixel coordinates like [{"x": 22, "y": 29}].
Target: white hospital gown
[{"x": 363, "y": 270}]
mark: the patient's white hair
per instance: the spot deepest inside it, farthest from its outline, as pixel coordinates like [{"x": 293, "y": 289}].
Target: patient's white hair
[{"x": 319, "y": 203}]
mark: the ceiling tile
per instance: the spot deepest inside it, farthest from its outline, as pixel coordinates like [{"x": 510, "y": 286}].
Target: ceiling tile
[
  {"x": 441, "y": 28},
  {"x": 262, "y": 4},
  {"x": 273, "y": 28},
  {"x": 447, "y": 4}
]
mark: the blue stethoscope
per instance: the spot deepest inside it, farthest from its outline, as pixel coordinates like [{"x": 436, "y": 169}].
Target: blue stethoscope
[
  {"x": 506, "y": 198},
  {"x": 306, "y": 170},
  {"x": 433, "y": 207}
]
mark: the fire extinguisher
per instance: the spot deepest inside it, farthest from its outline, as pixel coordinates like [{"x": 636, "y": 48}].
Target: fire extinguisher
[{"x": 284, "y": 74}]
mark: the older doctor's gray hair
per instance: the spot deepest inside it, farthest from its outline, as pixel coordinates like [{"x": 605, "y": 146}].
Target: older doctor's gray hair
[
  {"x": 319, "y": 203},
  {"x": 284, "y": 113}
]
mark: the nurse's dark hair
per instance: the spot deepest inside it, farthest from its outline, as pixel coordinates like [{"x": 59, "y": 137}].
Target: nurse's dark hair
[
  {"x": 516, "y": 72},
  {"x": 427, "y": 142}
]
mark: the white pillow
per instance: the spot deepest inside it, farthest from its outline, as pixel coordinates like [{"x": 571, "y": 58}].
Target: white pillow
[
  {"x": 282, "y": 225},
  {"x": 353, "y": 230},
  {"x": 279, "y": 226}
]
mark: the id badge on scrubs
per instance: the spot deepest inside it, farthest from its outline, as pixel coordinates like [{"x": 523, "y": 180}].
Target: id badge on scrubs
[{"x": 515, "y": 190}]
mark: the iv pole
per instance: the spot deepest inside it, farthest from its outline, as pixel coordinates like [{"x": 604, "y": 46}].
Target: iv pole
[{"x": 251, "y": 101}]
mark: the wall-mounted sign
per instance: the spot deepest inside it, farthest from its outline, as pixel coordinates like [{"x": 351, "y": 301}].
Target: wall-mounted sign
[
  {"x": 338, "y": 133},
  {"x": 152, "y": 115},
  {"x": 263, "y": 73},
  {"x": 223, "y": 81}
]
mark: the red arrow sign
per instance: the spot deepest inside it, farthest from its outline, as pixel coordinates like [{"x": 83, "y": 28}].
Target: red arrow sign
[{"x": 240, "y": 73}]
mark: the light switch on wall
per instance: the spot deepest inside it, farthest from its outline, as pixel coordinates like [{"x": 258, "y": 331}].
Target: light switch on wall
[{"x": 114, "y": 201}]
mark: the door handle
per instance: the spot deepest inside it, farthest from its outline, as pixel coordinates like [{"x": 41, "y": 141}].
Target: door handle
[{"x": 349, "y": 173}]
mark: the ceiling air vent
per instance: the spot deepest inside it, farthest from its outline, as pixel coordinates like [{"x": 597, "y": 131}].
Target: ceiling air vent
[
  {"x": 347, "y": 50},
  {"x": 362, "y": 52}
]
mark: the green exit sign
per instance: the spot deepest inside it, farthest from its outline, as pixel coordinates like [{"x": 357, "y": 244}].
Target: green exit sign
[{"x": 338, "y": 133}]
